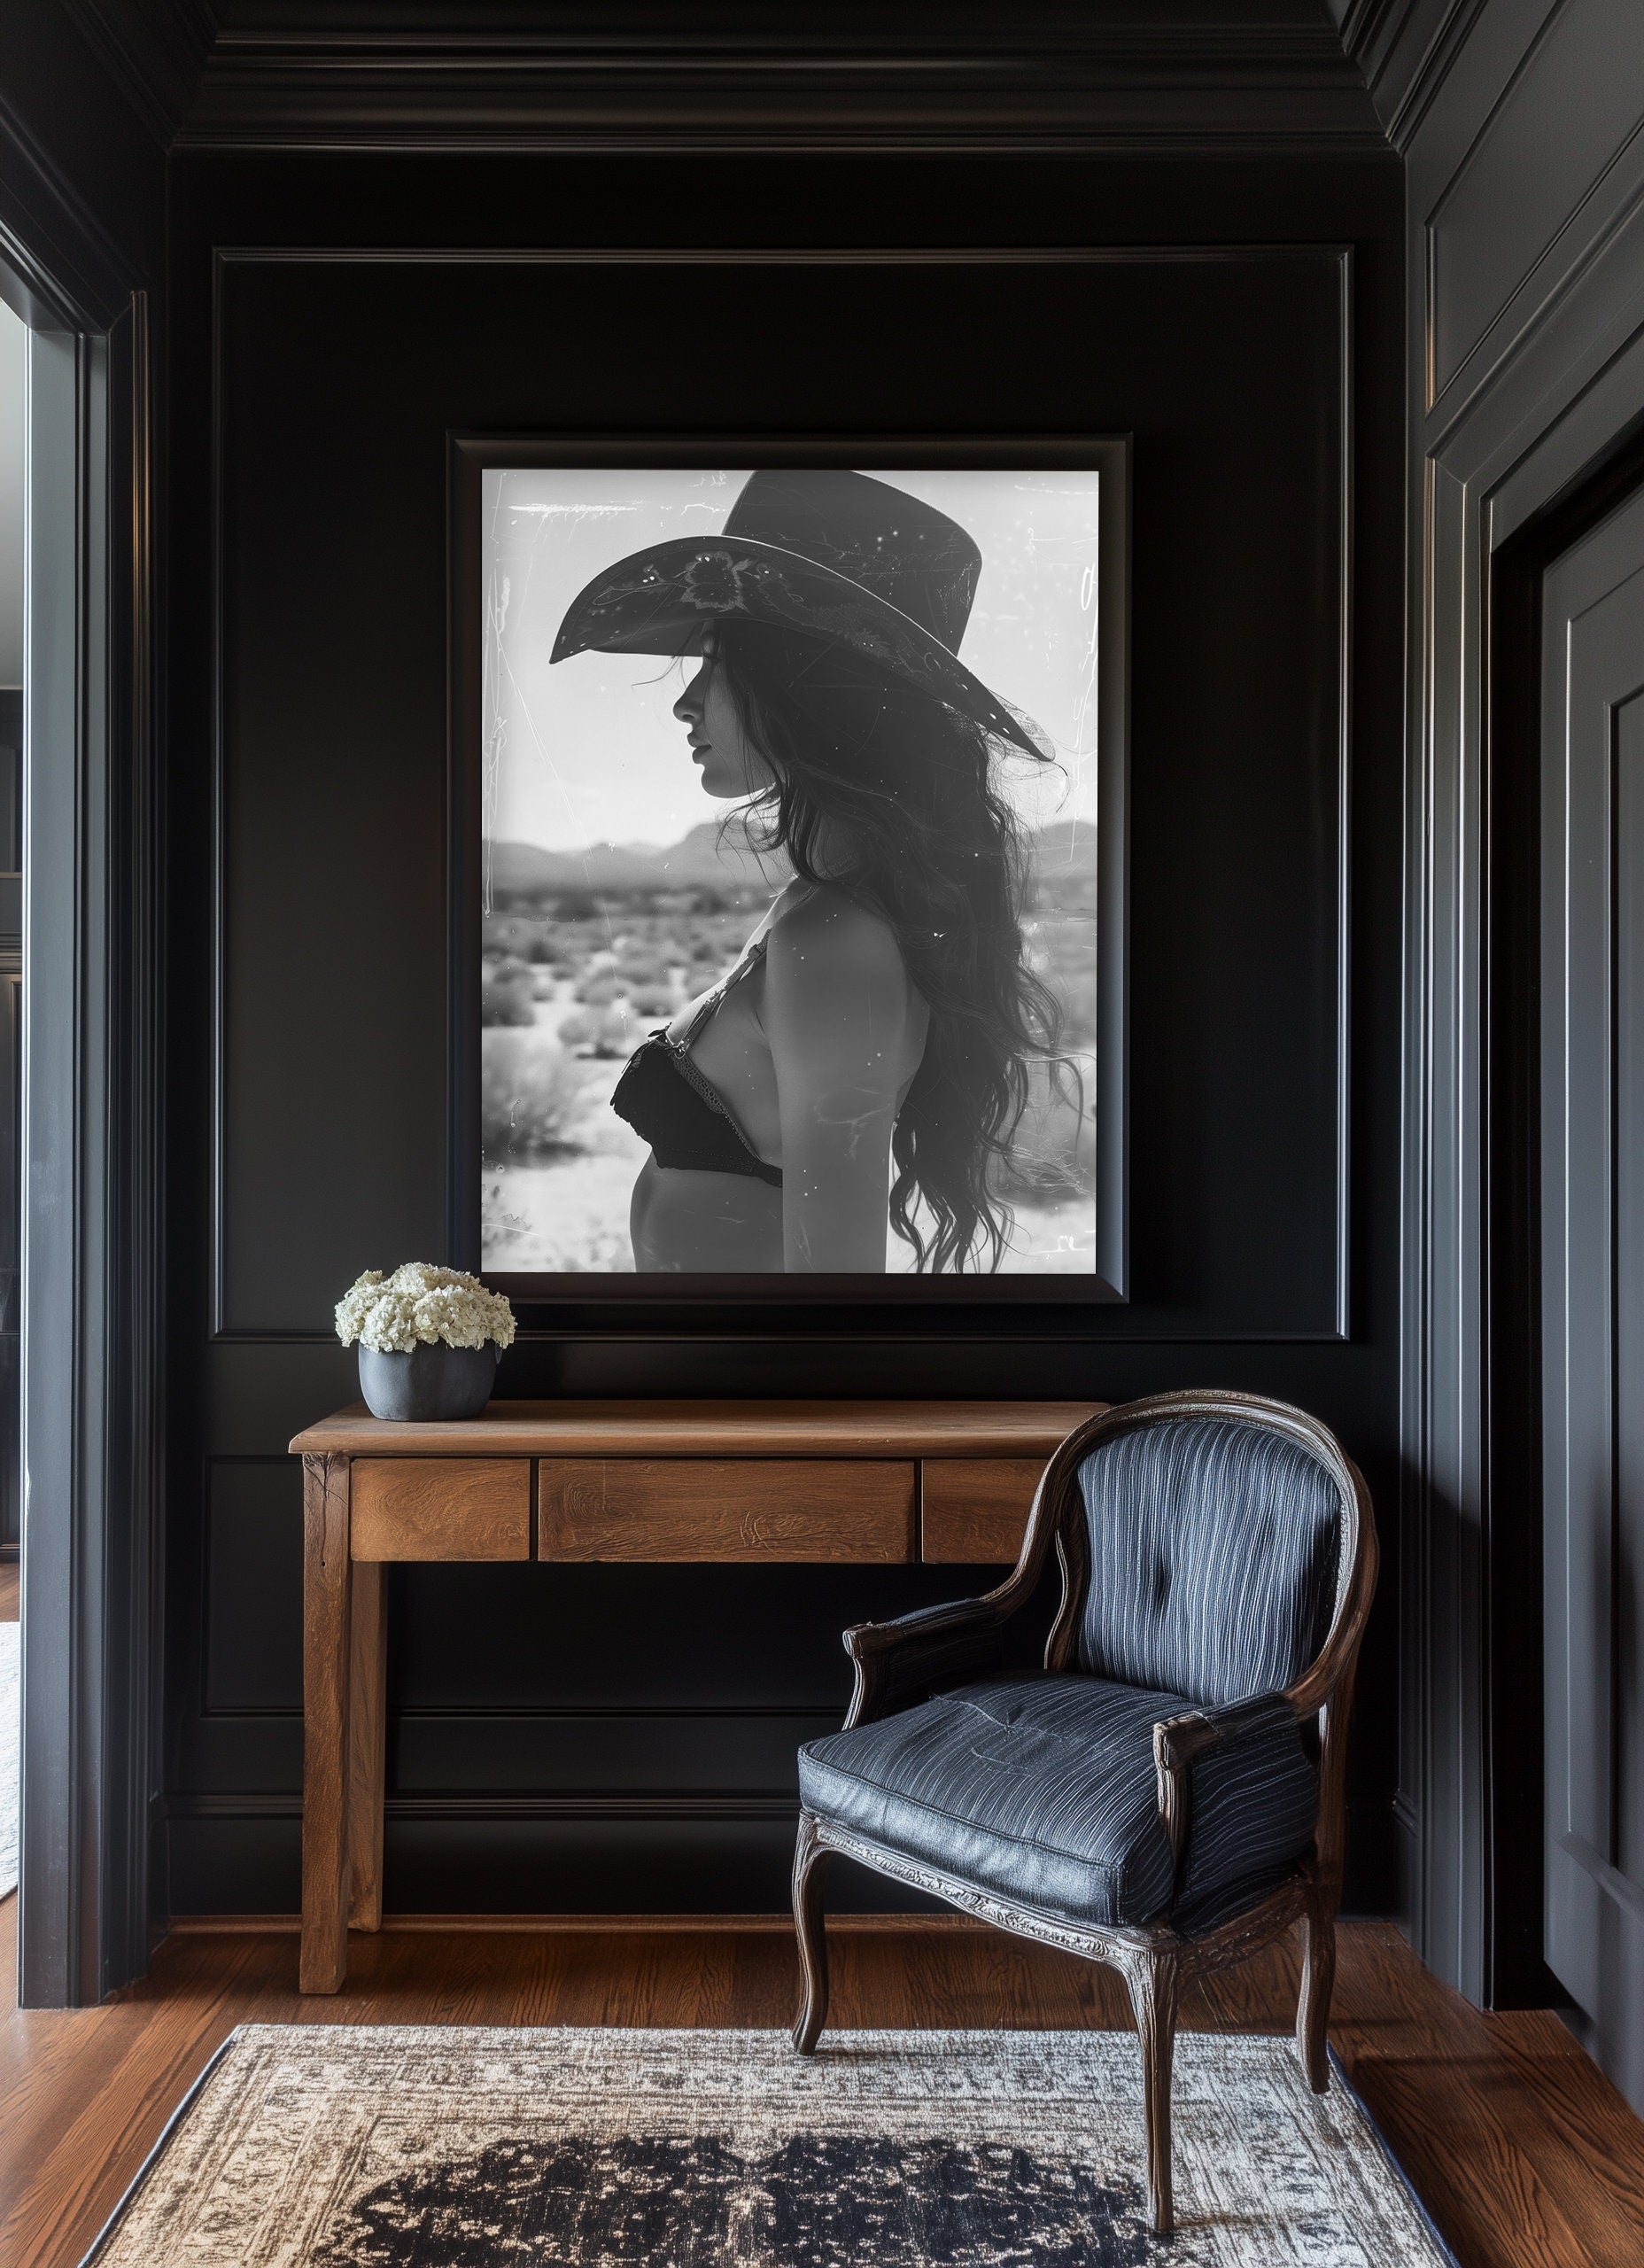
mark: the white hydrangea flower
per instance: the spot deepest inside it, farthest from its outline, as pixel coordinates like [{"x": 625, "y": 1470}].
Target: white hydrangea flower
[{"x": 421, "y": 1305}]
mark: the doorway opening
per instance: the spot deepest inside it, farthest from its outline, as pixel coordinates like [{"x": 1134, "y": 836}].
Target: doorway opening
[
  {"x": 81, "y": 1323},
  {"x": 1521, "y": 1365}
]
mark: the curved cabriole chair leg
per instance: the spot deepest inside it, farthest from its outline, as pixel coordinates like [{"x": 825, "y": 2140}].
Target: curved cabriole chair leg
[
  {"x": 1153, "y": 1980},
  {"x": 811, "y": 1858},
  {"x": 1313, "y": 2006}
]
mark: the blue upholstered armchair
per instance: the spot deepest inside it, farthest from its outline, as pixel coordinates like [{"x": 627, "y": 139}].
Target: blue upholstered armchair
[{"x": 1166, "y": 1795}]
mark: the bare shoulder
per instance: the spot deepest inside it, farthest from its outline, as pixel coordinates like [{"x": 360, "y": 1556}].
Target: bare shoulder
[{"x": 829, "y": 938}]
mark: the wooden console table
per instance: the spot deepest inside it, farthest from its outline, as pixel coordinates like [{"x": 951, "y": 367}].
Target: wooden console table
[{"x": 864, "y": 1482}]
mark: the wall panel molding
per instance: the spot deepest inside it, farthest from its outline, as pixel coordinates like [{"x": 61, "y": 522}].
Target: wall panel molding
[
  {"x": 675, "y": 1855},
  {"x": 321, "y": 323},
  {"x": 1508, "y": 232},
  {"x": 241, "y": 1313}
]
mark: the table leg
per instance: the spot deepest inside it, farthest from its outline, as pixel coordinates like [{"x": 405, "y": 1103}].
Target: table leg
[
  {"x": 366, "y": 1697},
  {"x": 326, "y": 1635}
]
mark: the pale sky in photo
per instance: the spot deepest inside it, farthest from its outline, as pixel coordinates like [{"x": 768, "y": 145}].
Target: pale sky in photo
[{"x": 589, "y": 750}]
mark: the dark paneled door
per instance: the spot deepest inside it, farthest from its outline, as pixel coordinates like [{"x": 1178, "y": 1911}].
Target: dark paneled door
[{"x": 1592, "y": 1273}]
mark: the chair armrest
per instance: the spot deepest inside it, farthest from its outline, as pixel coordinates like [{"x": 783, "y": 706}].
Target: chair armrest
[
  {"x": 934, "y": 1646},
  {"x": 1178, "y": 1740},
  {"x": 913, "y": 1655}
]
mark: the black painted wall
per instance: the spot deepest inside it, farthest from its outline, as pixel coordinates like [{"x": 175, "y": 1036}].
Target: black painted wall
[{"x": 589, "y": 1737}]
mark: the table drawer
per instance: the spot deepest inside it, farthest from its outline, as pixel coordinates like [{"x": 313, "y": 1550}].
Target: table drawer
[
  {"x": 708, "y": 1508},
  {"x": 440, "y": 1508},
  {"x": 975, "y": 1509}
]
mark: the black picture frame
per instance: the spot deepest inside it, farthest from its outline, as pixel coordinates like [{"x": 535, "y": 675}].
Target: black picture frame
[{"x": 539, "y": 1298}]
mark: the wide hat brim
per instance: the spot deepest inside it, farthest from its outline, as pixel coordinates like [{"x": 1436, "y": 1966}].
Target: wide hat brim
[{"x": 667, "y": 599}]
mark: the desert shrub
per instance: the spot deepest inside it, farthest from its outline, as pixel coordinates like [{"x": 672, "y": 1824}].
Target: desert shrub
[
  {"x": 598, "y": 990},
  {"x": 506, "y": 992},
  {"x": 606, "y": 1033},
  {"x": 641, "y": 964},
  {"x": 531, "y": 1098},
  {"x": 651, "y": 1000},
  {"x": 539, "y": 946},
  {"x": 577, "y": 906}
]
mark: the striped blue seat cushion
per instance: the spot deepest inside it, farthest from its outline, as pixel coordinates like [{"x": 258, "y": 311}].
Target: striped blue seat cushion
[
  {"x": 1213, "y": 1552},
  {"x": 1043, "y": 1791}
]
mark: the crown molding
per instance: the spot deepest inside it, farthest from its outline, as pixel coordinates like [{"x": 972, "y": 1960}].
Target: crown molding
[
  {"x": 154, "y": 50},
  {"x": 1404, "y": 48},
  {"x": 413, "y": 74},
  {"x": 62, "y": 267}
]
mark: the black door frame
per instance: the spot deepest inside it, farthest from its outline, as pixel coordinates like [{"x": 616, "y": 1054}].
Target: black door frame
[
  {"x": 91, "y": 1110},
  {"x": 1493, "y": 483},
  {"x": 1513, "y": 1234}
]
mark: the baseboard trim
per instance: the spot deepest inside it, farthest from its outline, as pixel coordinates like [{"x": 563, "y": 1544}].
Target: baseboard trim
[{"x": 214, "y": 1925}]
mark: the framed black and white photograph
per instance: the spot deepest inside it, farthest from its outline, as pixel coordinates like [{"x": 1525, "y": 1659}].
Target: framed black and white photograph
[{"x": 788, "y": 885}]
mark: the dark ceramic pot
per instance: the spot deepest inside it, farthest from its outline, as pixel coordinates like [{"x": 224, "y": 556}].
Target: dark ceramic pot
[{"x": 437, "y": 1381}]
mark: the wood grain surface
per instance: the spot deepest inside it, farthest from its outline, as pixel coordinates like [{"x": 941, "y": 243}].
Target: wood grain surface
[
  {"x": 457, "y": 1508},
  {"x": 974, "y": 1510},
  {"x": 368, "y": 1727},
  {"x": 725, "y": 1509},
  {"x": 327, "y": 1640},
  {"x": 699, "y": 1428},
  {"x": 10, "y": 1589},
  {"x": 1522, "y": 2150}
]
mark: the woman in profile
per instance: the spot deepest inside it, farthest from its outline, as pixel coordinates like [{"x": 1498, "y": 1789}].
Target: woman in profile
[{"x": 864, "y": 1066}]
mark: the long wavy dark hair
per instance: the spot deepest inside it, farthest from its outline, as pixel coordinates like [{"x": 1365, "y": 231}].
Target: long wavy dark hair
[{"x": 904, "y": 789}]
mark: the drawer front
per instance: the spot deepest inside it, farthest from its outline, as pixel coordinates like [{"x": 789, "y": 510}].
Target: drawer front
[
  {"x": 440, "y": 1507},
  {"x": 975, "y": 1509},
  {"x": 708, "y": 1508}
]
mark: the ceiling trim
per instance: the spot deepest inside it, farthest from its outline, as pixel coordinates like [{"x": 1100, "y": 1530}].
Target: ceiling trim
[
  {"x": 1404, "y": 48},
  {"x": 153, "y": 50},
  {"x": 896, "y": 74}
]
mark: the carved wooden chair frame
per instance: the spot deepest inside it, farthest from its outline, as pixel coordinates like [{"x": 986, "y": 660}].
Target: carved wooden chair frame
[{"x": 900, "y": 1662}]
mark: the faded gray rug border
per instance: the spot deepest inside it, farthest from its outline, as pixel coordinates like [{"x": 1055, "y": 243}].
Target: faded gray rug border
[
  {"x": 1418, "y": 2204},
  {"x": 151, "y": 2163}
]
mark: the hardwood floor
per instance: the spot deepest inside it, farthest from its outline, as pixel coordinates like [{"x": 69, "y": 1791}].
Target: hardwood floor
[
  {"x": 1524, "y": 2154},
  {"x": 10, "y": 1579}
]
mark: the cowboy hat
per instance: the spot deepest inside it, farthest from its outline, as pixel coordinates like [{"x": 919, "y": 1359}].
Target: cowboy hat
[{"x": 836, "y": 555}]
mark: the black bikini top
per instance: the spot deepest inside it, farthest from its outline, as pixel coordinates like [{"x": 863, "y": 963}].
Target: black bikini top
[{"x": 669, "y": 1104}]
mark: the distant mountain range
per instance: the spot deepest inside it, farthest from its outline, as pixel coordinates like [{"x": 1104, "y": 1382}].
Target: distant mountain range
[
  {"x": 703, "y": 859},
  {"x": 708, "y": 856}
]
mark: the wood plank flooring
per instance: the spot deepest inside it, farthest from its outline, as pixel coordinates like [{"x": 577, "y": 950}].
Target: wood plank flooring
[
  {"x": 9, "y": 1581},
  {"x": 1524, "y": 2154}
]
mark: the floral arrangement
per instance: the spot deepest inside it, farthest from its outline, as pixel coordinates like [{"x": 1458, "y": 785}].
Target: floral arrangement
[{"x": 420, "y": 1304}]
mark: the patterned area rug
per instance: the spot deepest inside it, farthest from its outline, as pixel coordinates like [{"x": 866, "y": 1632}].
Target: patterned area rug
[{"x": 365, "y": 2147}]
